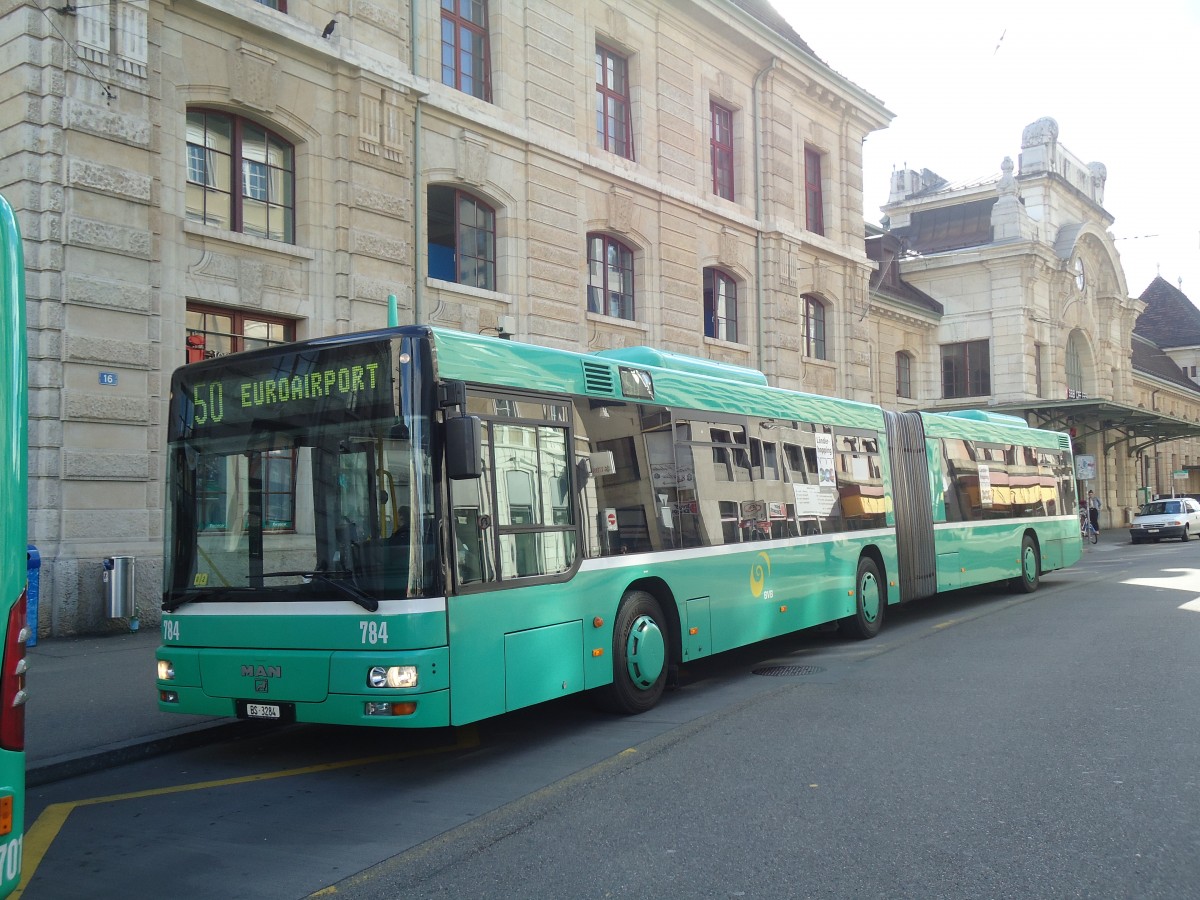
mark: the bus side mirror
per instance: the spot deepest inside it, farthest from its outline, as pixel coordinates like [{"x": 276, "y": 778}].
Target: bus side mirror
[{"x": 464, "y": 447}]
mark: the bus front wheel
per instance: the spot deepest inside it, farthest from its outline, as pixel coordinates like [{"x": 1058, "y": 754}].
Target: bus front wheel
[
  {"x": 870, "y": 600},
  {"x": 639, "y": 656}
]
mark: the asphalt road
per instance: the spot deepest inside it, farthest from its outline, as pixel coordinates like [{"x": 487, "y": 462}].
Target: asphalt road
[{"x": 987, "y": 744}]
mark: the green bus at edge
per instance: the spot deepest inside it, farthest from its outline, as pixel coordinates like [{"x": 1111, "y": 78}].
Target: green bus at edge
[
  {"x": 13, "y": 555},
  {"x": 416, "y": 527}
]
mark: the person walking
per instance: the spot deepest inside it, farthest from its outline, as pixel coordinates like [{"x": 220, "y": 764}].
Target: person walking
[{"x": 1093, "y": 507}]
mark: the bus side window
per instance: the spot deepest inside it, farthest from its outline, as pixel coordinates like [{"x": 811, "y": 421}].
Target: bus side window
[{"x": 471, "y": 501}]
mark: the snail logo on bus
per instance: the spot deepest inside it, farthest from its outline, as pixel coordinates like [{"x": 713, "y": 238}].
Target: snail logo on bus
[
  {"x": 759, "y": 570},
  {"x": 297, "y": 386}
]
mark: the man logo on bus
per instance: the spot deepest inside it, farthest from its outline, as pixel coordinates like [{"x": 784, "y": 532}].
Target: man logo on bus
[
  {"x": 253, "y": 671},
  {"x": 759, "y": 572}
]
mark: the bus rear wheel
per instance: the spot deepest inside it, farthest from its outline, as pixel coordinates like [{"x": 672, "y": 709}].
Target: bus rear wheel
[
  {"x": 1031, "y": 565},
  {"x": 870, "y": 600},
  {"x": 639, "y": 654}
]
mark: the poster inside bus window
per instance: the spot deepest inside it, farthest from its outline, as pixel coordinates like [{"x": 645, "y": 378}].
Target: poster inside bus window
[{"x": 353, "y": 382}]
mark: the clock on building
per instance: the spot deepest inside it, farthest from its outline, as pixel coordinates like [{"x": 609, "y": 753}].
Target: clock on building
[{"x": 1080, "y": 278}]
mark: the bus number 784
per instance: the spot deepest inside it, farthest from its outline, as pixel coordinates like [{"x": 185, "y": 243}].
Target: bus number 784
[{"x": 373, "y": 632}]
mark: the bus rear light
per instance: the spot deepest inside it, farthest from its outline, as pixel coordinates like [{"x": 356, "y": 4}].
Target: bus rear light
[
  {"x": 400, "y": 708},
  {"x": 12, "y": 680}
]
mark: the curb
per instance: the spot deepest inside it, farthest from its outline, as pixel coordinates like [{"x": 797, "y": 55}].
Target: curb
[{"x": 61, "y": 768}]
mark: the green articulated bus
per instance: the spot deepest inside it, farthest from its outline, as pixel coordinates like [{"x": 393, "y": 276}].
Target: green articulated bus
[
  {"x": 13, "y": 549},
  {"x": 417, "y": 527}
]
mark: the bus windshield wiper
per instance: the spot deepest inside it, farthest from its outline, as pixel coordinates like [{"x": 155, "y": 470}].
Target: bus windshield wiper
[
  {"x": 180, "y": 598},
  {"x": 366, "y": 601}
]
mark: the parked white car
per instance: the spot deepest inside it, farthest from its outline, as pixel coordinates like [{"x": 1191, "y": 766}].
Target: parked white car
[{"x": 1177, "y": 517}]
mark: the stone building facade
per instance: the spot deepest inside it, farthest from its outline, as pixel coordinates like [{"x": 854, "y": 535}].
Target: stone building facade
[
  {"x": 1038, "y": 320},
  {"x": 202, "y": 176}
]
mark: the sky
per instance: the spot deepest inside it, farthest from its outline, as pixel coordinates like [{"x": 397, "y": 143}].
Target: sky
[{"x": 964, "y": 78}]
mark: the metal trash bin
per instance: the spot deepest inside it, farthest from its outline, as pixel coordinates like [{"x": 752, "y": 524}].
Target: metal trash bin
[{"x": 118, "y": 586}]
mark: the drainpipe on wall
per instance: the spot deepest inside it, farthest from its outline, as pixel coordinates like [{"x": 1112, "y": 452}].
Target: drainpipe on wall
[
  {"x": 417, "y": 181},
  {"x": 758, "y": 210}
]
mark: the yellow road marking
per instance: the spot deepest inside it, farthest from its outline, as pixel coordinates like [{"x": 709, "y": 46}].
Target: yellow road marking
[{"x": 50, "y": 821}]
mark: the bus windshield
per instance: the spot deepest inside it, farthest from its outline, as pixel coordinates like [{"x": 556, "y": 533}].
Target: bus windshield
[{"x": 300, "y": 477}]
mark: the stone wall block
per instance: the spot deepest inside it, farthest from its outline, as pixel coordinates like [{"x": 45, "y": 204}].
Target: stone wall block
[
  {"x": 110, "y": 524},
  {"x": 397, "y": 206},
  {"x": 79, "y": 406},
  {"x": 381, "y": 247},
  {"x": 107, "y": 236},
  {"x": 109, "y": 180},
  {"x": 128, "y": 129},
  {"x": 85, "y": 466},
  {"x": 131, "y": 354},
  {"x": 125, "y": 296},
  {"x": 377, "y": 290}
]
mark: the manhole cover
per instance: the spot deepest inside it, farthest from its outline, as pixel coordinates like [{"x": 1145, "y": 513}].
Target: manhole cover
[{"x": 788, "y": 670}]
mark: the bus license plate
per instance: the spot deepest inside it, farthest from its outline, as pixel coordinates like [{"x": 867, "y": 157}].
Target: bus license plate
[{"x": 262, "y": 711}]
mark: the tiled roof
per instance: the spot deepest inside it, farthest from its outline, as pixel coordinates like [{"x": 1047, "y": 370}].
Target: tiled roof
[
  {"x": 895, "y": 287},
  {"x": 1149, "y": 359},
  {"x": 953, "y": 227},
  {"x": 1170, "y": 319}
]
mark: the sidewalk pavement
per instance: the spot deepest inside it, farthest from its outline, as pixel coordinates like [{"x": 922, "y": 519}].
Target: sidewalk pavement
[{"x": 93, "y": 704}]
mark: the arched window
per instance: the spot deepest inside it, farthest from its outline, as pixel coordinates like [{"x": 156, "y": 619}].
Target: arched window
[
  {"x": 610, "y": 277},
  {"x": 1075, "y": 354},
  {"x": 814, "y": 329},
  {"x": 720, "y": 305},
  {"x": 904, "y": 375},
  {"x": 462, "y": 238},
  {"x": 240, "y": 176}
]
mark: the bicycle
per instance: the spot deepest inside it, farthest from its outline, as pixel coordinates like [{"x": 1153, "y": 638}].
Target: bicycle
[{"x": 1086, "y": 531}]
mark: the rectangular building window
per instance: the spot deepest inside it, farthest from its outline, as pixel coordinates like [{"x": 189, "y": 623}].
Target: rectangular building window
[
  {"x": 903, "y": 375},
  {"x": 814, "y": 329},
  {"x": 720, "y": 305},
  {"x": 613, "y": 120},
  {"x": 462, "y": 238},
  {"x": 722, "y": 150},
  {"x": 966, "y": 370},
  {"x": 465, "y": 63},
  {"x": 814, "y": 213},
  {"x": 216, "y": 331}
]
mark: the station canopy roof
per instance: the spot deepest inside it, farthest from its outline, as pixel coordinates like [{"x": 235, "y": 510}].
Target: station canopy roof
[{"x": 1116, "y": 422}]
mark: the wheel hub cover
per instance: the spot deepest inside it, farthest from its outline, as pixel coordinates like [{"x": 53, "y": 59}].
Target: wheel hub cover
[
  {"x": 870, "y": 595},
  {"x": 646, "y": 652}
]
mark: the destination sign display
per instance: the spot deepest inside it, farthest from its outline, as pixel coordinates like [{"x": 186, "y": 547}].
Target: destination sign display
[{"x": 312, "y": 385}]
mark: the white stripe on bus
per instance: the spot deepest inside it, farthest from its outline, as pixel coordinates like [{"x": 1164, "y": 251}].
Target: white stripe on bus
[{"x": 310, "y": 608}]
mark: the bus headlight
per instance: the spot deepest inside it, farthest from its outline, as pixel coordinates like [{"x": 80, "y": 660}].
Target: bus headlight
[
  {"x": 166, "y": 670},
  {"x": 392, "y": 677}
]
